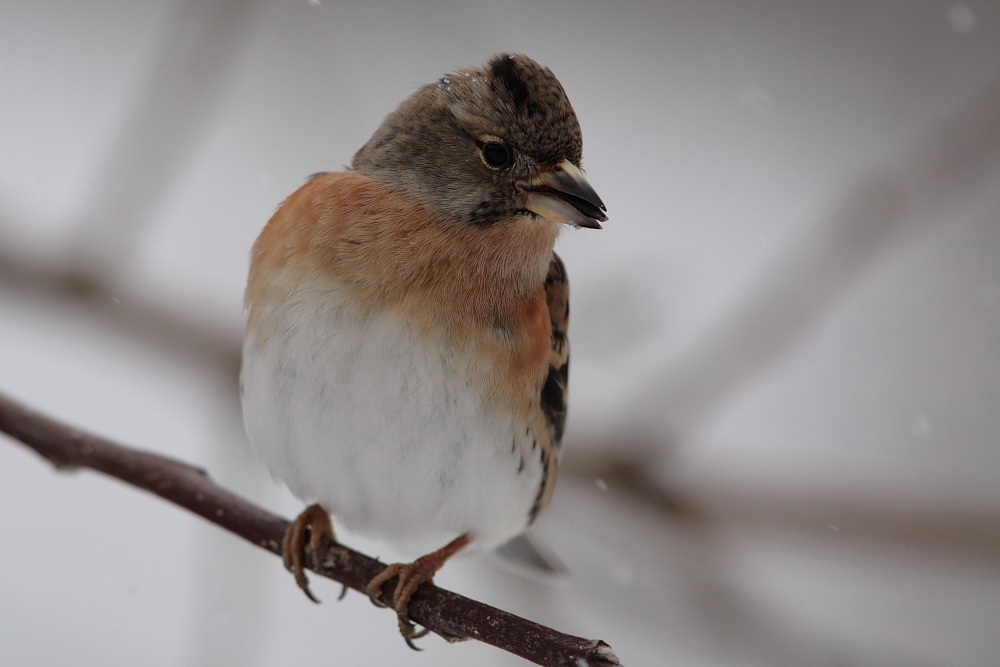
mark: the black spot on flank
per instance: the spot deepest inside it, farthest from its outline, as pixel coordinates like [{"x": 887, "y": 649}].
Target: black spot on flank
[
  {"x": 553, "y": 400},
  {"x": 520, "y": 467},
  {"x": 505, "y": 70},
  {"x": 536, "y": 508}
]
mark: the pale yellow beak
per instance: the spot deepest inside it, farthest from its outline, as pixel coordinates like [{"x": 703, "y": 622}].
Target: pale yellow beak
[{"x": 565, "y": 196}]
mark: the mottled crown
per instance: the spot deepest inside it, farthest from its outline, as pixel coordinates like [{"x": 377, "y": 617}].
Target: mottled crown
[
  {"x": 540, "y": 119},
  {"x": 431, "y": 146}
]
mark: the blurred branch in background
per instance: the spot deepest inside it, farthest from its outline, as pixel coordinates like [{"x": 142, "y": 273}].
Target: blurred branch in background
[
  {"x": 953, "y": 160},
  {"x": 452, "y": 616},
  {"x": 188, "y": 78},
  {"x": 891, "y": 207},
  {"x": 173, "y": 329},
  {"x": 976, "y": 533}
]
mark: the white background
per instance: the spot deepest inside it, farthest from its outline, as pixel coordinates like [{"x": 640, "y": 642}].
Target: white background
[{"x": 784, "y": 435}]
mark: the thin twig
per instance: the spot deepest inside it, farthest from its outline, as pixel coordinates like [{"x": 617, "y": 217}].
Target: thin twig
[{"x": 443, "y": 612}]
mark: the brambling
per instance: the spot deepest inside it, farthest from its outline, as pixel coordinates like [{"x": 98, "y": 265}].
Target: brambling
[{"x": 405, "y": 360}]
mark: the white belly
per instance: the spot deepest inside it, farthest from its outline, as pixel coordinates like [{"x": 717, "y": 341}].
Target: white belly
[{"x": 381, "y": 429}]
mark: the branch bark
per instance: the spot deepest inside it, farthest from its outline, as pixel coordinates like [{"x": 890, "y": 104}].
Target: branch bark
[{"x": 450, "y": 615}]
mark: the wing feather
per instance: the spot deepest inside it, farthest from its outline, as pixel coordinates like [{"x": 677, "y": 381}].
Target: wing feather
[{"x": 555, "y": 389}]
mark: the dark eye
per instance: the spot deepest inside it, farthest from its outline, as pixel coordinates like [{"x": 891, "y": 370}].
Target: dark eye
[{"x": 497, "y": 155}]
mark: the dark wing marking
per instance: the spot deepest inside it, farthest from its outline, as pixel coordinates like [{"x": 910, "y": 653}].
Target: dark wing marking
[{"x": 554, "y": 391}]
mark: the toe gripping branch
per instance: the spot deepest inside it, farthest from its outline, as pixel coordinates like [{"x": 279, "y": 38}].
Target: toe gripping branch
[
  {"x": 310, "y": 538},
  {"x": 445, "y": 613},
  {"x": 411, "y": 576},
  {"x": 296, "y": 549}
]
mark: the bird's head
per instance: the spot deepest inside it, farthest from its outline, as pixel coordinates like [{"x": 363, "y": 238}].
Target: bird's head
[{"x": 486, "y": 145}]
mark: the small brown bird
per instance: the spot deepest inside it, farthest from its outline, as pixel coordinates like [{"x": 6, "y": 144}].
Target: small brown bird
[{"x": 405, "y": 360}]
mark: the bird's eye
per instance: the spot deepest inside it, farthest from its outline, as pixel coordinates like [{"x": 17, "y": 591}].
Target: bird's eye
[{"x": 497, "y": 155}]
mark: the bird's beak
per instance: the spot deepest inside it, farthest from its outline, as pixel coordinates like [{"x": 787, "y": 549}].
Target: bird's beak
[{"x": 565, "y": 196}]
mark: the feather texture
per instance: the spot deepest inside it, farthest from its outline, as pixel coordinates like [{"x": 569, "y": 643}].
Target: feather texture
[{"x": 397, "y": 366}]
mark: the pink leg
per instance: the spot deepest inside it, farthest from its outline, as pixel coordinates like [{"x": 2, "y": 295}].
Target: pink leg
[
  {"x": 411, "y": 575},
  {"x": 294, "y": 546}
]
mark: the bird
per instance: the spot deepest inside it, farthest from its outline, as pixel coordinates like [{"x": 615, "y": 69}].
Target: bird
[{"x": 405, "y": 360}]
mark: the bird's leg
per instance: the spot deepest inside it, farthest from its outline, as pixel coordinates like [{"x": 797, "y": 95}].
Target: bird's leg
[
  {"x": 315, "y": 522},
  {"x": 411, "y": 575}
]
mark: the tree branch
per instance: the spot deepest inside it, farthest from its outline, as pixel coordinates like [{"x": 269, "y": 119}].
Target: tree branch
[{"x": 443, "y": 612}]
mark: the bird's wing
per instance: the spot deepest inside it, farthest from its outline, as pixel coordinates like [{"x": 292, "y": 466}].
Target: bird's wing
[{"x": 554, "y": 392}]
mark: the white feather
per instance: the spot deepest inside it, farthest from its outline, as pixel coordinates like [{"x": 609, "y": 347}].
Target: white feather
[{"x": 380, "y": 428}]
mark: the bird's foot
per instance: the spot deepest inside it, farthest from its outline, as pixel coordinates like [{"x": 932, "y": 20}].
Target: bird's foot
[
  {"x": 411, "y": 575},
  {"x": 303, "y": 542}
]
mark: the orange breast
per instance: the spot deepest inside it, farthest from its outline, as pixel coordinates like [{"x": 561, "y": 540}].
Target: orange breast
[{"x": 479, "y": 288}]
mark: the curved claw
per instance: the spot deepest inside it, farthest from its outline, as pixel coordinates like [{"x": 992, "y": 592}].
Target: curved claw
[
  {"x": 409, "y": 631},
  {"x": 411, "y": 576},
  {"x": 374, "y": 587},
  {"x": 303, "y": 583},
  {"x": 409, "y": 636},
  {"x": 316, "y": 522}
]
